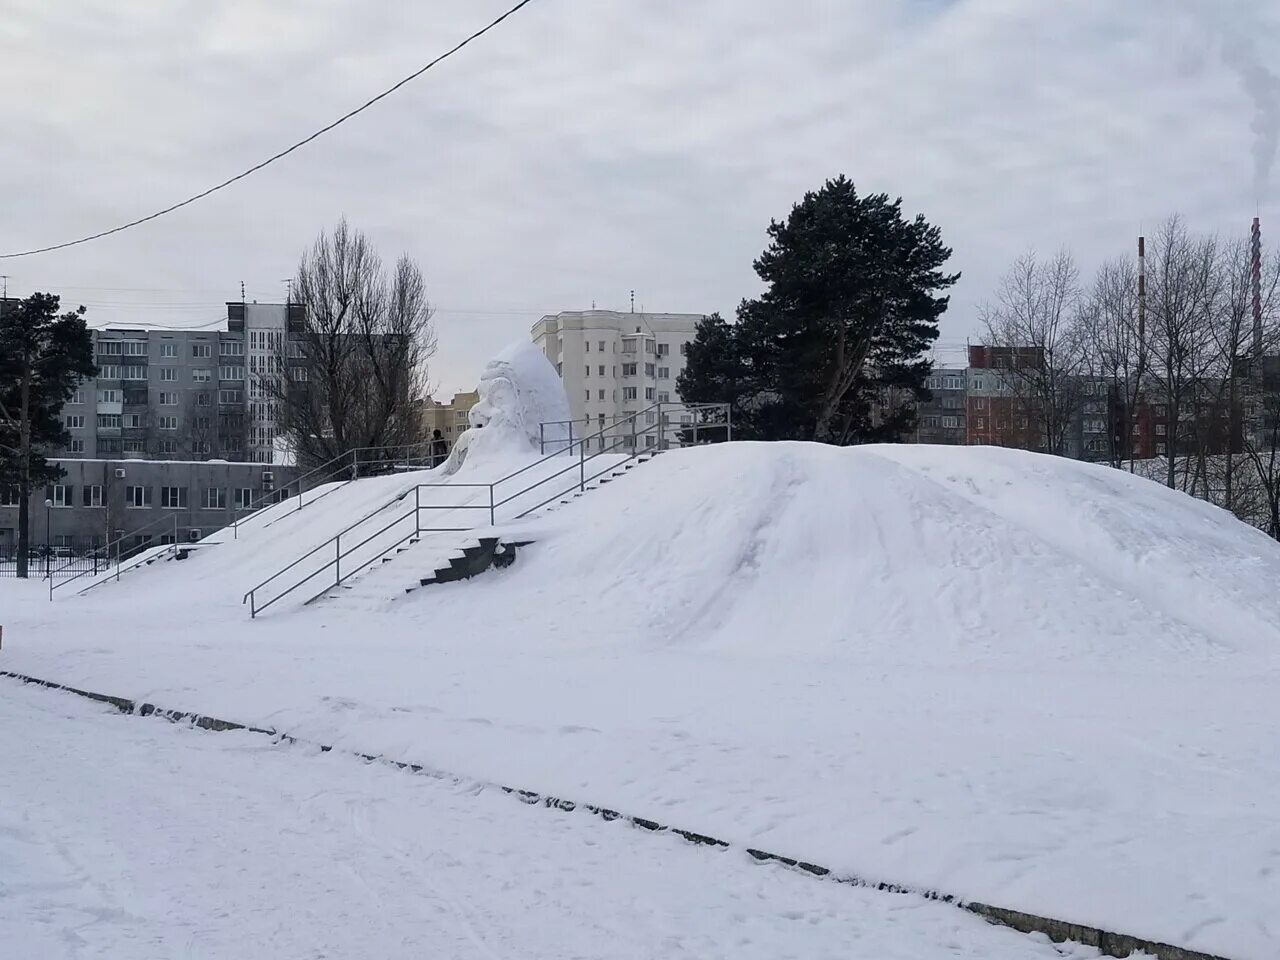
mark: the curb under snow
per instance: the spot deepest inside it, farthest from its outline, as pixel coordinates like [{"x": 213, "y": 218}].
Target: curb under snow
[{"x": 1106, "y": 942}]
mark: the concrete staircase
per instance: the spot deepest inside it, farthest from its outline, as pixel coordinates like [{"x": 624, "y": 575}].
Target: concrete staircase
[{"x": 468, "y": 558}]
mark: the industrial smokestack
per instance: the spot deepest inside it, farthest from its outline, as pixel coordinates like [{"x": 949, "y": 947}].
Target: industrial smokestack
[
  {"x": 1255, "y": 280},
  {"x": 1142, "y": 295}
]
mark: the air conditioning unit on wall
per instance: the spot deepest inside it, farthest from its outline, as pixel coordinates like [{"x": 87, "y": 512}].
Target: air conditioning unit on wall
[{"x": 119, "y": 473}]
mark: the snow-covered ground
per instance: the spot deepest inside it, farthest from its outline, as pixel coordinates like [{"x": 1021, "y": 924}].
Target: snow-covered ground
[
  {"x": 134, "y": 839},
  {"x": 1036, "y": 683}
]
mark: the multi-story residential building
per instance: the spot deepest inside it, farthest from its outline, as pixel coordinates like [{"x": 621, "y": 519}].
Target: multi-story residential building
[
  {"x": 449, "y": 418},
  {"x": 942, "y": 418},
  {"x": 615, "y": 364},
  {"x": 185, "y": 394}
]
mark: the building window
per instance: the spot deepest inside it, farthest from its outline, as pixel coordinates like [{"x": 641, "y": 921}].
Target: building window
[
  {"x": 982, "y": 423},
  {"x": 109, "y": 371},
  {"x": 244, "y": 497},
  {"x": 628, "y": 346},
  {"x": 601, "y": 392},
  {"x": 587, "y": 370},
  {"x": 137, "y": 496},
  {"x": 92, "y": 495},
  {"x": 951, "y": 423},
  {"x": 231, "y": 348},
  {"x": 200, "y": 448},
  {"x": 232, "y": 444},
  {"x": 201, "y": 351},
  {"x": 134, "y": 445},
  {"x": 109, "y": 396},
  {"x": 1160, "y": 448},
  {"x": 1160, "y": 429},
  {"x": 628, "y": 393},
  {"x": 648, "y": 393},
  {"x": 168, "y": 399},
  {"x": 684, "y": 349},
  {"x": 231, "y": 373},
  {"x": 109, "y": 421},
  {"x": 168, "y": 374},
  {"x": 600, "y": 344},
  {"x": 60, "y": 494},
  {"x": 663, "y": 396},
  {"x": 648, "y": 369},
  {"x": 628, "y": 369},
  {"x": 202, "y": 399},
  {"x": 173, "y": 498},
  {"x": 601, "y": 369},
  {"x": 77, "y": 396},
  {"x": 980, "y": 403},
  {"x": 588, "y": 395},
  {"x": 664, "y": 349},
  {"x": 110, "y": 348},
  {"x": 168, "y": 349},
  {"x": 77, "y": 446},
  {"x": 201, "y": 376},
  {"x": 587, "y": 347},
  {"x": 168, "y": 423},
  {"x": 299, "y": 374},
  {"x": 108, "y": 446},
  {"x": 664, "y": 373},
  {"x": 133, "y": 371},
  {"x": 230, "y": 396},
  {"x": 133, "y": 420},
  {"x": 75, "y": 422},
  {"x": 168, "y": 447},
  {"x": 215, "y": 498}
]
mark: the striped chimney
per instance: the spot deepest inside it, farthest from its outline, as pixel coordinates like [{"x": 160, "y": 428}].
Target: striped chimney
[{"x": 1256, "y": 283}]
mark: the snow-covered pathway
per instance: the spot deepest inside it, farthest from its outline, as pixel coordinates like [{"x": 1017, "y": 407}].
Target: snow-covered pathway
[{"x": 136, "y": 839}]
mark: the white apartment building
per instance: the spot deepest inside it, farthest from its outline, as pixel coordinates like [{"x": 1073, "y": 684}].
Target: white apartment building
[{"x": 616, "y": 364}]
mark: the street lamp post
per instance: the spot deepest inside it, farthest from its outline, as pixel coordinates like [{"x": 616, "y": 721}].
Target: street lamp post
[{"x": 48, "y": 538}]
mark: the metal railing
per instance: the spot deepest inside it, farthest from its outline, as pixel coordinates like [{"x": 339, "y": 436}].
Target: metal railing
[
  {"x": 114, "y": 553},
  {"x": 625, "y": 434},
  {"x": 345, "y": 467},
  {"x": 698, "y": 423}
]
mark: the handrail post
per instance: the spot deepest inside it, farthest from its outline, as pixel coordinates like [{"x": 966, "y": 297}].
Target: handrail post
[
  {"x": 337, "y": 560},
  {"x": 582, "y": 466},
  {"x": 493, "y": 517},
  {"x": 542, "y": 438},
  {"x": 417, "y": 510},
  {"x": 634, "y": 448},
  {"x": 355, "y": 464}
]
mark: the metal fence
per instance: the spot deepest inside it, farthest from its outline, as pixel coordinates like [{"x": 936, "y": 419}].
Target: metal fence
[{"x": 76, "y": 555}]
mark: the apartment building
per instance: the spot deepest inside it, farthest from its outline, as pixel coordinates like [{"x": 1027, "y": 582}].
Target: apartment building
[
  {"x": 186, "y": 394},
  {"x": 615, "y": 364},
  {"x": 449, "y": 418},
  {"x": 942, "y": 419}
]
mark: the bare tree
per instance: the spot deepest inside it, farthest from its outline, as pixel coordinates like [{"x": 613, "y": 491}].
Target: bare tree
[
  {"x": 1037, "y": 313},
  {"x": 351, "y": 373},
  {"x": 1183, "y": 289},
  {"x": 1113, "y": 351}
]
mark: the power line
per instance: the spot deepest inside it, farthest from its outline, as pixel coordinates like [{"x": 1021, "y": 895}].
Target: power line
[{"x": 283, "y": 153}]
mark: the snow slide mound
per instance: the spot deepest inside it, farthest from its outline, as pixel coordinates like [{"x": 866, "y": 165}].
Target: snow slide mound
[{"x": 935, "y": 554}]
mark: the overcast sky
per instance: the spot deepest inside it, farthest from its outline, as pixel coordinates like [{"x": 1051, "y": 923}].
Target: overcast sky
[{"x": 588, "y": 147}]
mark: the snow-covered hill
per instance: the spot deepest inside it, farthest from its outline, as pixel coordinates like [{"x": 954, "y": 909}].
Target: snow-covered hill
[{"x": 1027, "y": 681}]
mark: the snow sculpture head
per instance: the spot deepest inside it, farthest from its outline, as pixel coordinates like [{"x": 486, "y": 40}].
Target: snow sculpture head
[{"x": 520, "y": 392}]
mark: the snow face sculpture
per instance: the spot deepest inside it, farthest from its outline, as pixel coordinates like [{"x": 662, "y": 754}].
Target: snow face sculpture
[{"x": 519, "y": 391}]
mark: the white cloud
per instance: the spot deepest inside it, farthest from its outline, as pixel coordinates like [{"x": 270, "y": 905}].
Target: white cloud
[{"x": 585, "y": 149}]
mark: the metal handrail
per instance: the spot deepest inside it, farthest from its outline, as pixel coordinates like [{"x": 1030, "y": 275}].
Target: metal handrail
[
  {"x": 350, "y": 460},
  {"x": 656, "y": 428},
  {"x": 173, "y": 518}
]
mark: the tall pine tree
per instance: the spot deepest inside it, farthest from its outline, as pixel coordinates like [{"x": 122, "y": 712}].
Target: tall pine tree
[
  {"x": 834, "y": 350},
  {"x": 43, "y": 355}
]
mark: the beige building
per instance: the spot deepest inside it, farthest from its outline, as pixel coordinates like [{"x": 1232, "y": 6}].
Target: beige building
[
  {"x": 616, "y": 364},
  {"x": 449, "y": 418}
]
